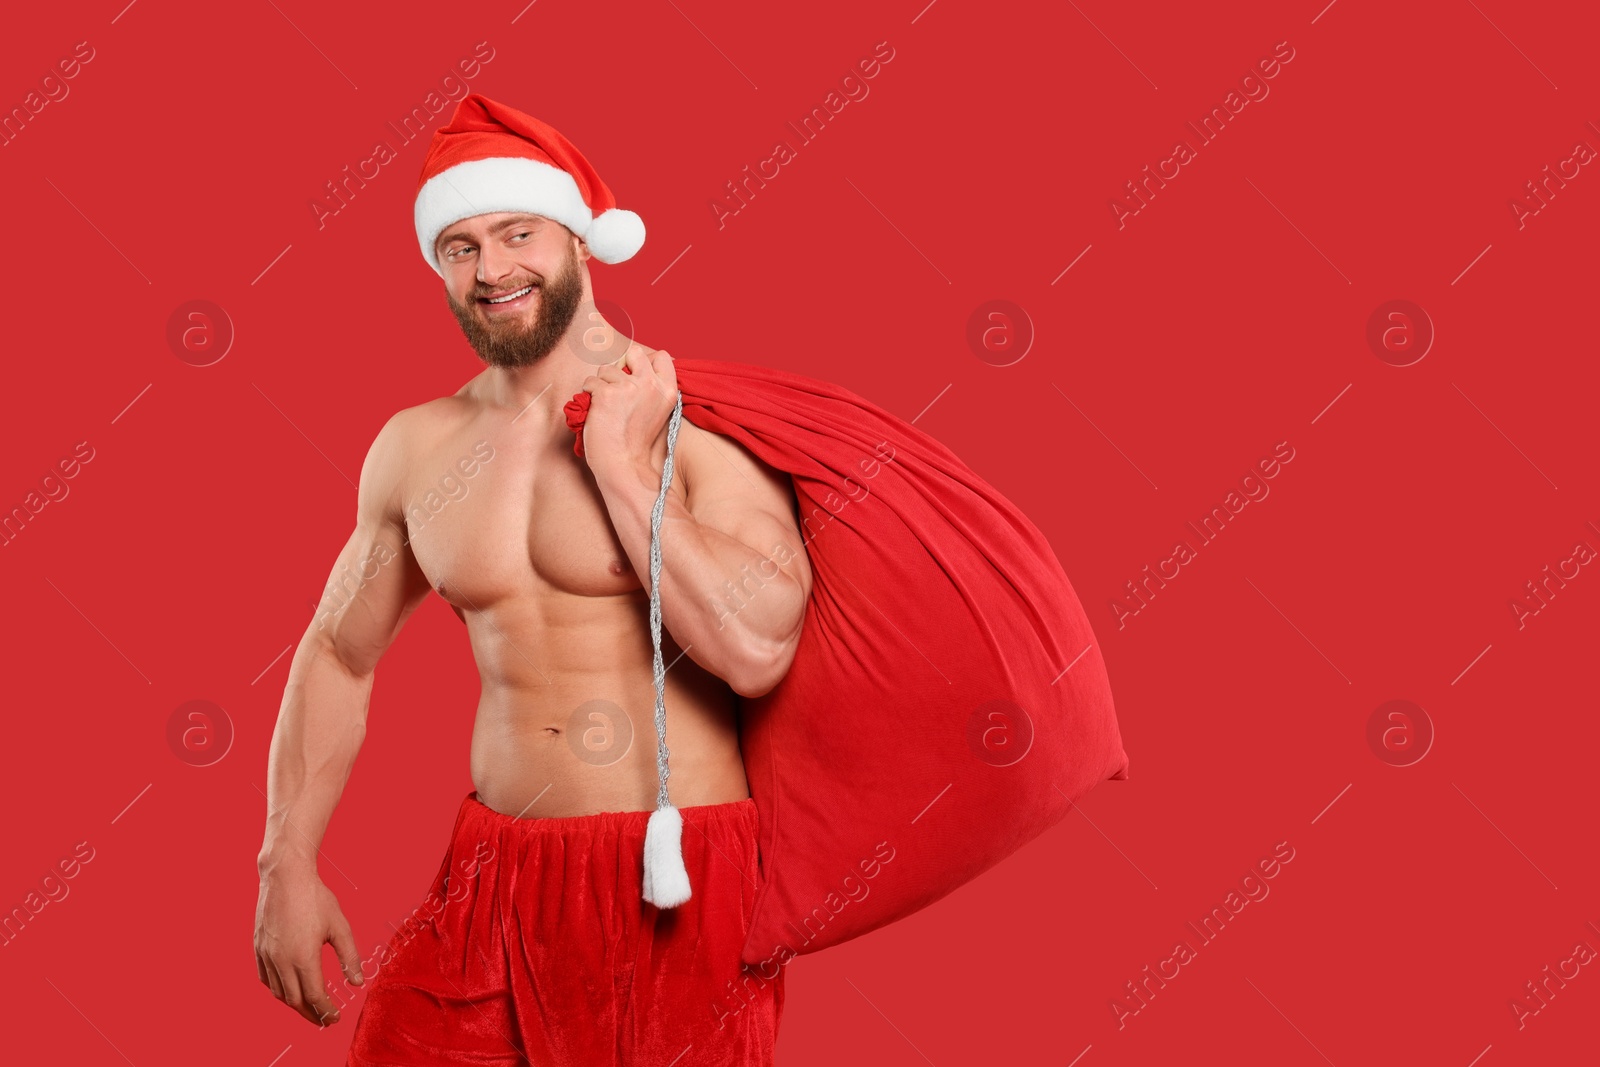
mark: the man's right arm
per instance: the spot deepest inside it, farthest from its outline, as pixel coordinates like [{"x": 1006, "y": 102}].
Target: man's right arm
[{"x": 373, "y": 588}]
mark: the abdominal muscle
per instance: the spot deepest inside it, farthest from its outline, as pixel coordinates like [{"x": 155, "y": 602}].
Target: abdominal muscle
[{"x": 566, "y": 721}]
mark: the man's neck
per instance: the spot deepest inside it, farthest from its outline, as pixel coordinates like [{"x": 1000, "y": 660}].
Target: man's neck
[{"x": 543, "y": 388}]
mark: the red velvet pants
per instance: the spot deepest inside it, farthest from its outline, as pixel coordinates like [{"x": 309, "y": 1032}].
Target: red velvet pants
[{"x": 534, "y": 946}]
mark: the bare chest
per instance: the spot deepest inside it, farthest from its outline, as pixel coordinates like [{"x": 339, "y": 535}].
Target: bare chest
[{"x": 491, "y": 515}]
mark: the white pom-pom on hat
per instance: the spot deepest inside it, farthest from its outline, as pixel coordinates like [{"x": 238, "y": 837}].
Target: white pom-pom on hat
[{"x": 615, "y": 235}]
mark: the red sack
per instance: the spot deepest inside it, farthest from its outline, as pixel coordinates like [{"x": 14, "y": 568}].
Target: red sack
[{"x": 947, "y": 702}]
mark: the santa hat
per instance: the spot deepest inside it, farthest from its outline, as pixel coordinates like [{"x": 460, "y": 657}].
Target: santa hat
[{"x": 495, "y": 158}]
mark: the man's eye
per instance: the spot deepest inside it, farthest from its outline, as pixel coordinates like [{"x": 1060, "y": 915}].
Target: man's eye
[{"x": 523, "y": 234}]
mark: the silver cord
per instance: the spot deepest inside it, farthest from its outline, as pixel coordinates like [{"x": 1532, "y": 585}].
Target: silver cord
[{"x": 662, "y": 771}]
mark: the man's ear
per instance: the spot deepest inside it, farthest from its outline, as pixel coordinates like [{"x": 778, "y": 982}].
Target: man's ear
[{"x": 582, "y": 251}]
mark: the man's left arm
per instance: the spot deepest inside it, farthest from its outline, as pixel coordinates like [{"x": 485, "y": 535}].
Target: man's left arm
[{"x": 734, "y": 573}]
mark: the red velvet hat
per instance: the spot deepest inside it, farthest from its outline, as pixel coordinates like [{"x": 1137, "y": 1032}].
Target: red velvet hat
[{"x": 495, "y": 158}]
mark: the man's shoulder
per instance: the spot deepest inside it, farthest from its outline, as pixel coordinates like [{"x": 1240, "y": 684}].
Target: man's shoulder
[
  {"x": 719, "y": 470},
  {"x": 405, "y": 437},
  {"x": 733, "y": 490},
  {"x": 421, "y": 423}
]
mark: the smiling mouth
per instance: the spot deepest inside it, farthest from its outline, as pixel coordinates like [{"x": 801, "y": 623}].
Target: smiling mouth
[{"x": 517, "y": 298}]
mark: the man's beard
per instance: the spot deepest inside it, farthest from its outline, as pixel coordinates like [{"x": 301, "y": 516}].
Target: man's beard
[{"x": 510, "y": 343}]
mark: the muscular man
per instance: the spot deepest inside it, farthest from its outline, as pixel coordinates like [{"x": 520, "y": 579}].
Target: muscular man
[{"x": 536, "y": 936}]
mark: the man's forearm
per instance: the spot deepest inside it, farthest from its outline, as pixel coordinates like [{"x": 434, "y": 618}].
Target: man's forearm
[
  {"x": 727, "y": 602},
  {"x": 321, "y": 725}
]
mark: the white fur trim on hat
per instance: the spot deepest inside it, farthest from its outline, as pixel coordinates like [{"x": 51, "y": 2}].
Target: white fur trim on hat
[{"x": 504, "y": 183}]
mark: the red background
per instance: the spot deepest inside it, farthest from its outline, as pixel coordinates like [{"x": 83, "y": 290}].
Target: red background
[{"x": 1228, "y": 315}]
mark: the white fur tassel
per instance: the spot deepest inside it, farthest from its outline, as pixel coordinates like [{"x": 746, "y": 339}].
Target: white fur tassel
[{"x": 666, "y": 880}]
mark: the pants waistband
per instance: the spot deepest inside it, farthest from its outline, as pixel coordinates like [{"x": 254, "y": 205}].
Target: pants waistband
[{"x": 478, "y": 813}]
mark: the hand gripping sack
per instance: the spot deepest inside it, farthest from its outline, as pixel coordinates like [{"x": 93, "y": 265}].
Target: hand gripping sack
[{"x": 947, "y": 702}]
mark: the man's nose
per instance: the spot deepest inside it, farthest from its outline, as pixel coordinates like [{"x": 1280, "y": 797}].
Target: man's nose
[{"x": 494, "y": 264}]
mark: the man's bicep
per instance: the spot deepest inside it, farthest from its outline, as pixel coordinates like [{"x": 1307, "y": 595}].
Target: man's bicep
[
  {"x": 735, "y": 493},
  {"x": 375, "y": 583}
]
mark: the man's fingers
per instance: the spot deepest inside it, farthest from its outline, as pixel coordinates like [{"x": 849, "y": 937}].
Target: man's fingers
[
  {"x": 316, "y": 1005},
  {"x": 343, "y": 940},
  {"x": 639, "y": 365},
  {"x": 274, "y": 982},
  {"x": 294, "y": 984},
  {"x": 665, "y": 372},
  {"x": 290, "y": 985},
  {"x": 261, "y": 971}
]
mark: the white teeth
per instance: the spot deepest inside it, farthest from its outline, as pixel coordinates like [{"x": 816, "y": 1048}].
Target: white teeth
[{"x": 512, "y": 296}]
